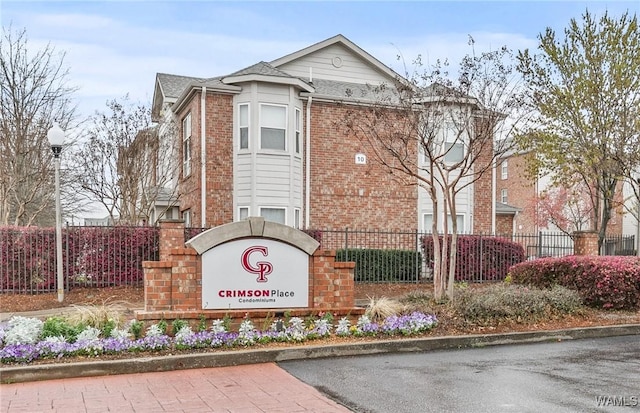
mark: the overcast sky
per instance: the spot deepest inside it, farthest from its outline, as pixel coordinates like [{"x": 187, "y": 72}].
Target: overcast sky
[{"x": 117, "y": 47}]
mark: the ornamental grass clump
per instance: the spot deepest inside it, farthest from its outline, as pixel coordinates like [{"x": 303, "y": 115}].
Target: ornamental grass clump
[
  {"x": 380, "y": 308},
  {"x": 105, "y": 317}
]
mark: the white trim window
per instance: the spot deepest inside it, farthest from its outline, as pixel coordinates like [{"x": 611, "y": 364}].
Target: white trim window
[
  {"x": 273, "y": 127},
  {"x": 504, "y": 169},
  {"x": 243, "y": 213},
  {"x": 296, "y": 218},
  {"x": 453, "y": 152},
  {"x": 243, "y": 125},
  {"x": 428, "y": 221},
  {"x": 453, "y": 143},
  {"x": 274, "y": 214},
  {"x": 186, "y": 145},
  {"x": 186, "y": 217},
  {"x": 503, "y": 195},
  {"x": 298, "y": 127}
]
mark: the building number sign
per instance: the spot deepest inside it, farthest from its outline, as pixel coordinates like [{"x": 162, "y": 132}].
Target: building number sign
[{"x": 361, "y": 159}]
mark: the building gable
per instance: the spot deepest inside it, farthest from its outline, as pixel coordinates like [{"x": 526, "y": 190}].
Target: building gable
[{"x": 336, "y": 59}]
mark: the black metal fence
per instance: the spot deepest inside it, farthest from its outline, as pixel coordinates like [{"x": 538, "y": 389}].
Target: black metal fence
[
  {"x": 407, "y": 257},
  {"x": 91, "y": 257},
  {"x": 619, "y": 245},
  {"x": 104, "y": 256},
  {"x": 479, "y": 257}
]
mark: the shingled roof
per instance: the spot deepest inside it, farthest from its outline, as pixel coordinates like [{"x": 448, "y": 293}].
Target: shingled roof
[
  {"x": 174, "y": 85},
  {"x": 261, "y": 68}
]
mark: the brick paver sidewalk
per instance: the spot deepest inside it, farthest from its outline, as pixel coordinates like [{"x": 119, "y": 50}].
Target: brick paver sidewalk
[{"x": 249, "y": 388}]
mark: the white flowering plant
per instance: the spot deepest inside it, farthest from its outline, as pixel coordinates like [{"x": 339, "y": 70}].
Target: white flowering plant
[{"x": 21, "y": 338}]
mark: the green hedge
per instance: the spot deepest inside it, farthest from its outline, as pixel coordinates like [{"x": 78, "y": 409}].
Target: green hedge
[{"x": 379, "y": 265}]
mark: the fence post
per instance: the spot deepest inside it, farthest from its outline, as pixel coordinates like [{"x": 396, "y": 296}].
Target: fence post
[
  {"x": 65, "y": 272},
  {"x": 418, "y": 263},
  {"x": 539, "y": 244},
  {"x": 585, "y": 243},
  {"x": 346, "y": 244},
  {"x": 171, "y": 236},
  {"x": 481, "y": 257}
]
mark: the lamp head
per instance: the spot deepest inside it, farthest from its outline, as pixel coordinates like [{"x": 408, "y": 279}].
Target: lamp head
[{"x": 56, "y": 138}]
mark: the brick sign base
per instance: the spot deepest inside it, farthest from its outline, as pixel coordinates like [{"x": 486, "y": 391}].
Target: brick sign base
[{"x": 173, "y": 285}]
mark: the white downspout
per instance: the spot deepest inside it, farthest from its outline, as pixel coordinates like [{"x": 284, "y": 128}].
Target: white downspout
[
  {"x": 307, "y": 159},
  {"x": 307, "y": 156},
  {"x": 203, "y": 158},
  {"x": 493, "y": 197}
]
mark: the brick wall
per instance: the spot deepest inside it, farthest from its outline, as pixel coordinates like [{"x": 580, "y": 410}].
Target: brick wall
[
  {"x": 504, "y": 224},
  {"x": 344, "y": 194},
  {"x": 219, "y": 159},
  {"x": 585, "y": 243},
  {"x": 521, "y": 193},
  {"x": 189, "y": 186},
  {"x": 483, "y": 187},
  {"x": 219, "y": 162}
]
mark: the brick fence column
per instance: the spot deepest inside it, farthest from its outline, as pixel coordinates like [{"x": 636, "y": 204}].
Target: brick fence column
[
  {"x": 585, "y": 243},
  {"x": 171, "y": 236},
  {"x": 157, "y": 285},
  {"x": 186, "y": 286},
  {"x": 331, "y": 283}
]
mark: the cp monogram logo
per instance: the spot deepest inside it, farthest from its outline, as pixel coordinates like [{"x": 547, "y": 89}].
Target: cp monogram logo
[{"x": 263, "y": 268}]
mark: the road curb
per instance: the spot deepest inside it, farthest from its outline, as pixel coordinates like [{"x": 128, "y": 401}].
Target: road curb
[{"x": 18, "y": 374}]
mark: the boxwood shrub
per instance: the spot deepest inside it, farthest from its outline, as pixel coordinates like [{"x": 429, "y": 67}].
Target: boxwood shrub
[
  {"x": 603, "y": 282},
  {"x": 381, "y": 265}
]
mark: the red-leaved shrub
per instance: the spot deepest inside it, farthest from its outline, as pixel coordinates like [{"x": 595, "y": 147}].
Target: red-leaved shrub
[
  {"x": 91, "y": 256},
  {"x": 480, "y": 258},
  {"x": 603, "y": 282}
]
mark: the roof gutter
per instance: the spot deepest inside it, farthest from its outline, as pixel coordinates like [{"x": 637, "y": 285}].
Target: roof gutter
[{"x": 182, "y": 100}]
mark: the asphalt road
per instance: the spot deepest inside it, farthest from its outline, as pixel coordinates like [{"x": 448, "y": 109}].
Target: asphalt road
[{"x": 591, "y": 375}]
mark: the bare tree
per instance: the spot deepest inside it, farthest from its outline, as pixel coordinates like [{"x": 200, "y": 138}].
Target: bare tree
[
  {"x": 124, "y": 162},
  {"x": 444, "y": 135},
  {"x": 34, "y": 93}
]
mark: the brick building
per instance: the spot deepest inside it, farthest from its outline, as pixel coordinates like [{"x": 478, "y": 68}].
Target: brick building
[
  {"x": 263, "y": 141},
  {"x": 515, "y": 187}
]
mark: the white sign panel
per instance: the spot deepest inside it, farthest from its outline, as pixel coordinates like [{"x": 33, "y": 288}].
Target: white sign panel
[
  {"x": 361, "y": 159},
  {"x": 254, "y": 273}
]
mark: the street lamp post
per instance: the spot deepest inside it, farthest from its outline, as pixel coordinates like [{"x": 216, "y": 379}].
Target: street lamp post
[
  {"x": 56, "y": 139},
  {"x": 638, "y": 219}
]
